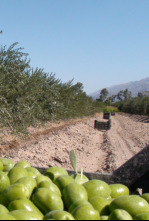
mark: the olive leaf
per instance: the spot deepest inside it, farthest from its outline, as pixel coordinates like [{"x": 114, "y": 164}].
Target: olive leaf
[{"x": 73, "y": 159}]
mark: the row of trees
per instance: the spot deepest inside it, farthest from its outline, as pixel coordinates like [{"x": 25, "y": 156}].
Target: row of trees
[
  {"x": 121, "y": 96},
  {"x": 29, "y": 97},
  {"x": 125, "y": 102},
  {"x": 136, "y": 105}
]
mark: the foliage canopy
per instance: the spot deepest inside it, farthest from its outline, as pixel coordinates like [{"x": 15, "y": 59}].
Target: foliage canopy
[{"x": 29, "y": 97}]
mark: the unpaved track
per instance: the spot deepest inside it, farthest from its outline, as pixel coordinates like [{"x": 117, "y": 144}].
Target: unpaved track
[
  {"x": 119, "y": 144},
  {"x": 126, "y": 138},
  {"x": 97, "y": 151}
]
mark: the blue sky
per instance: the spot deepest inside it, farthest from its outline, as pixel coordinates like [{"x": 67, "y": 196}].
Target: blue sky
[{"x": 97, "y": 42}]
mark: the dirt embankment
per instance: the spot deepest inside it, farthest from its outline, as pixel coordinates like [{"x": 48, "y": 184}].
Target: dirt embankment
[
  {"x": 97, "y": 151},
  {"x": 52, "y": 144}
]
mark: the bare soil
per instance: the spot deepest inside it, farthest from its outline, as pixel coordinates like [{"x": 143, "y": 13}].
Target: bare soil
[
  {"x": 126, "y": 138},
  {"x": 97, "y": 151}
]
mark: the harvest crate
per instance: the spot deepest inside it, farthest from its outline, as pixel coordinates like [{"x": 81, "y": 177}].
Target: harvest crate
[
  {"x": 134, "y": 173},
  {"x": 113, "y": 113},
  {"x": 102, "y": 125},
  {"x": 106, "y": 115}
]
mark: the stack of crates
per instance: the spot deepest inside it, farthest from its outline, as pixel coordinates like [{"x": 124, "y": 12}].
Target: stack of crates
[
  {"x": 102, "y": 125},
  {"x": 106, "y": 115}
]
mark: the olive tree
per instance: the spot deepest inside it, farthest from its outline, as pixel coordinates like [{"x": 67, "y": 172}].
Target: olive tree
[{"x": 103, "y": 95}]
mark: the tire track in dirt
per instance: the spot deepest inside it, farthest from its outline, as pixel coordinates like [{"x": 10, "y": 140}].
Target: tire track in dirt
[
  {"x": 97, "y": 151},
  {"x": 136, "y": 131},
  {"x": 119, "y": 146},
  {"x": 123, "y": 141}
]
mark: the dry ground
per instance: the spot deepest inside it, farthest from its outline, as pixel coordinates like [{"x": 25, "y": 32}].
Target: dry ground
[
  {"x": 97, "y": 151},
  {"x": 127, "y": 137}
]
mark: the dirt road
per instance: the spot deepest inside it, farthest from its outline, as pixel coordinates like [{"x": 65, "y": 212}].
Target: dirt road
[
  {"x": 126, "y": 138},
  {"x": 97, "y": 151}
]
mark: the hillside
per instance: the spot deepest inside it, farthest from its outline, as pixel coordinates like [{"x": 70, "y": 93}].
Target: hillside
[{"x": 135, "y": 87}]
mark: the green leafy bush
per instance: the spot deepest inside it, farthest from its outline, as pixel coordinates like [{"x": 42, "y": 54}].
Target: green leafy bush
[
  {"x": 111, "y": 109},
  {"x": 138, "y": 105},
  {"x": 29, "y": 97}
]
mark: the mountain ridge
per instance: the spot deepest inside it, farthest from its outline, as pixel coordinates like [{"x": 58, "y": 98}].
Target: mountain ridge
[{"x": 134, "y": 86}]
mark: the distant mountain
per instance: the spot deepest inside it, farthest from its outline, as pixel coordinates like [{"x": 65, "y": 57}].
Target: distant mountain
[{"x": 135, "y": 87}]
